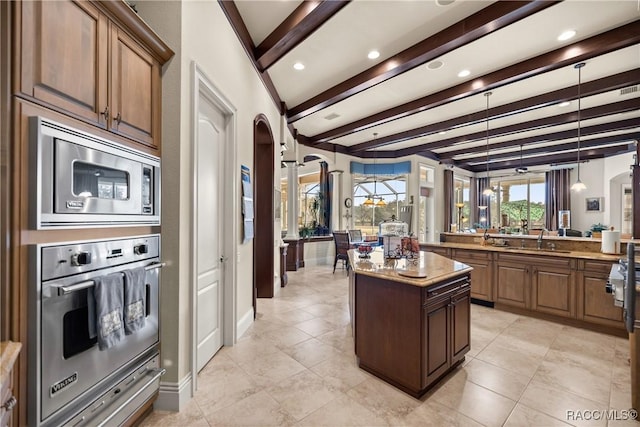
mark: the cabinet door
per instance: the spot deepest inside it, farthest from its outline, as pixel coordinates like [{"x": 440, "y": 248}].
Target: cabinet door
[
  {"x": 513, "y": 285},
  {"x": 436, "y": 357},
  {"x": 64, "y": 56},
  {"x": 553, "y": 291},
  {"x": 597, "y": 305},
  {"x": 134, "y": 90},
  {"x": 481, "y": 279},
  {"x": 460, "y": 325}
]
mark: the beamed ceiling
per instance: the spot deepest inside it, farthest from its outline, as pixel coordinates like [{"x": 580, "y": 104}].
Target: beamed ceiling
[{"x": 412, "y": 96}]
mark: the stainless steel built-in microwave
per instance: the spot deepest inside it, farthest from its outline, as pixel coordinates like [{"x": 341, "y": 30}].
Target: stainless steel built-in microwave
[{"x": 82, "y": 180}]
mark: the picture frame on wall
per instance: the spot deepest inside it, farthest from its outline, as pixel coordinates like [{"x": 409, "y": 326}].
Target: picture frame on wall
[{"x": 594, "y": 204}]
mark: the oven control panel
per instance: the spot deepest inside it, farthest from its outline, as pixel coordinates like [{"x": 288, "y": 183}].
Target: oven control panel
[{"x": 81, "y": 257}]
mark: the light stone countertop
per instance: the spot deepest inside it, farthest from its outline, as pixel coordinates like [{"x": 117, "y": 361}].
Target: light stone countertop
[
  {"x": 597, "y": 256},
  {"x": 9, "y": 351},
  {"x": 436, "y": 267}
]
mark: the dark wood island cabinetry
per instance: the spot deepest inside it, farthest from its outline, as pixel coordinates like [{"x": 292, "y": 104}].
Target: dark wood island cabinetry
[{"x": 410, "y": 331}]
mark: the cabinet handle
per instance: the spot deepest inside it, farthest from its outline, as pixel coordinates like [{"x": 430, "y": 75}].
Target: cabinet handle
[
  {"x": 10, "y": 403},
  {"x": 105, "y": 113},
  {"x": 118, "y": 118}
]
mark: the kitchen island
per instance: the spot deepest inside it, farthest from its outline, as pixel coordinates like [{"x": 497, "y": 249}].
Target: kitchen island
[{"x": 411, "y": 324}]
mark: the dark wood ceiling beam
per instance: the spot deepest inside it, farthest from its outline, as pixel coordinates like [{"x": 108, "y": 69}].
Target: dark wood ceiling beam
[
  {"x": 590, "y": 154},
  {"x": 302, "y": 22},
  {"x": 545, "y": 122},
  {"x": 554, "y": 136},
  {"x": 492, "y": 18},
  {"x": 237, "y": 24},
  {"x": 570, "y": 146},
  {"x": 618, "y": 38},
  {"x": 594, "y": 87}
]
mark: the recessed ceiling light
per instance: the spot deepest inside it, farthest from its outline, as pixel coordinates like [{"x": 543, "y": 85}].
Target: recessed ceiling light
[
  {"x": 566, "y": 35},
  {"x": 373, "y": 54},
  {"x": 564, "y": 104},
  {"x": 434, "y": 65},
  {"x": 298, "y": 66},
  {"x": 464, "y": 73},
  {"x": 444, "y": 2}
]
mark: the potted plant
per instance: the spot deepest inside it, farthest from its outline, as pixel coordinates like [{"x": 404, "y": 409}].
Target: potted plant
[{"x": 597, "y": 229}]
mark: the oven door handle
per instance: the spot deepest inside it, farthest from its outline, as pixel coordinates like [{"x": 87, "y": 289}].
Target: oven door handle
[
  {"x": 157, "y": 373},
  {"x": 64, "y": 290}
]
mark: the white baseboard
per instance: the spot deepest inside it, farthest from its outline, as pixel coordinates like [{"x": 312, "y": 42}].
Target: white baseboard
[
  {"x": 244, "y": 323},
  {"x": 174, "y": 396}
]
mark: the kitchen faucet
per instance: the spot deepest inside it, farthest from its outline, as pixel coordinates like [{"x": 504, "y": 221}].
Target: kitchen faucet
[{"x": 540, "y": 237}]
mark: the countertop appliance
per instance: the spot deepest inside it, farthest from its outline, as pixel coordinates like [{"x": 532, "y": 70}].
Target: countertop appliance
[{"x": 71, "y": 381}]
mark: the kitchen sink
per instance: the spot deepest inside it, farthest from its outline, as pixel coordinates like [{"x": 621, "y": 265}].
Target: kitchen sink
[{"x": 534, "y": 250}]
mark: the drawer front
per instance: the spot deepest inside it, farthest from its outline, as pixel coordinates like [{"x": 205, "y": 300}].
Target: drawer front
[
  {"x": 595, "y": 266},
  {"x": 470, "y": 254},
  {"x": 444, "y": 290},
  {"x": 550, "y": 261}
]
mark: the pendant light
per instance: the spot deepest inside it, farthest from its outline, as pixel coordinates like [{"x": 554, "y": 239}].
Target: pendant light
[
  {"x": 578, "y": 185},
  {"x": 381, "y": 203},
  {"x": 521, "y": 169},
  {"x": 370, "y": 199},
  {"x": 488, "y": 191}
]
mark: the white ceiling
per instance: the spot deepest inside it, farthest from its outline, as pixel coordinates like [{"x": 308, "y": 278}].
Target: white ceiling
[{"x": 338, "y": 49}]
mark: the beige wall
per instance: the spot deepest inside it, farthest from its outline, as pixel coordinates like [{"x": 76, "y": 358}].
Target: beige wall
[{"x": 198, "y": 31}]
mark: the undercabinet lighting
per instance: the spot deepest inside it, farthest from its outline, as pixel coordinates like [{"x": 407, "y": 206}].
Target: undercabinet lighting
[
  {"x": 442, "y": 132},
  {"x": 298, "y": 66},
  {"x": 566, "y": 35},
  {"x": 464, "y": 73},
  {"x": 373, "y": 54},
  {"x": 564, "y": 104}
]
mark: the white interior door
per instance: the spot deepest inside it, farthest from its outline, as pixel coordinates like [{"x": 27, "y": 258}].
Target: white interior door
[{"x": 209, "y": 155}]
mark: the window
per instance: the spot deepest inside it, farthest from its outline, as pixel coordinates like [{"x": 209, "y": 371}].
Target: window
[
  {"x": 393, "y": 190},
  {"x": 461, "y": 209},
  {"x": 518, "y": 201},
  {"x": 308, "y": 188}
]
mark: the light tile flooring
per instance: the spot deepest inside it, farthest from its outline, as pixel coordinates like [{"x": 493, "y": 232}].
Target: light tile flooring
[{"x": 295, "y": 366}]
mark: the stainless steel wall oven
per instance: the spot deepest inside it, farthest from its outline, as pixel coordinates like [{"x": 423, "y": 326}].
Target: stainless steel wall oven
[
  {"x": 81, "y": 180},
  {"x": 72, "y": 380}
]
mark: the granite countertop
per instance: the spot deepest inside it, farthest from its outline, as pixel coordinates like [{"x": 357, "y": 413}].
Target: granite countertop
[
  {"x": 432, "y": 267},
  {"x": 9, "y": 351},
  {"x": 598, "y": 256}
]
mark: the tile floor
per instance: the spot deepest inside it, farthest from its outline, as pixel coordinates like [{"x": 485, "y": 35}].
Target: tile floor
[{"x": 295, "y": 366}]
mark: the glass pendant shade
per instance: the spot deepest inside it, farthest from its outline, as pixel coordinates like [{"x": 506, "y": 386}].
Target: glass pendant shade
[
  {"x": 381, "y": 203},
  {"x": 368, "y": 202},
  {"x": 578, "y": 186},
  {"x": 488, "y": 192}
]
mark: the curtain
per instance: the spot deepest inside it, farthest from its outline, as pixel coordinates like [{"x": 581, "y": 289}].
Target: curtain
[
  {"x": 324, "y": 195},
  {"x": 448, "y": 198},
  {"x": 330, "y": 186},
  {"x": 557, "y": 196},
  {"x": 482, "y": 200},
  {"x": 473, "y": 203}
]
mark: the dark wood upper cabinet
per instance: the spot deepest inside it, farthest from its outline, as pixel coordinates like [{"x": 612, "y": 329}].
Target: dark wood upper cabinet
[
  {"x": 78, "y": 58},
  {"x": 64, "y": 56}
]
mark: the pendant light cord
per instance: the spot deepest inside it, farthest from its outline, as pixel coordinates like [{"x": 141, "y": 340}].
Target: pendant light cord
[
  {"x": 579, "y": 67},
  {"x": 488, "y": 94}
]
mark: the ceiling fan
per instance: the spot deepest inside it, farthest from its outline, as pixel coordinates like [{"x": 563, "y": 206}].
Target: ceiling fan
[{"x": 521, "y": 169}]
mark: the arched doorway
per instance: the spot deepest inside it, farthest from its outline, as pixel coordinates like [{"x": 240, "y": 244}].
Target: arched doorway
[{"x": 263, "y": 252}]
